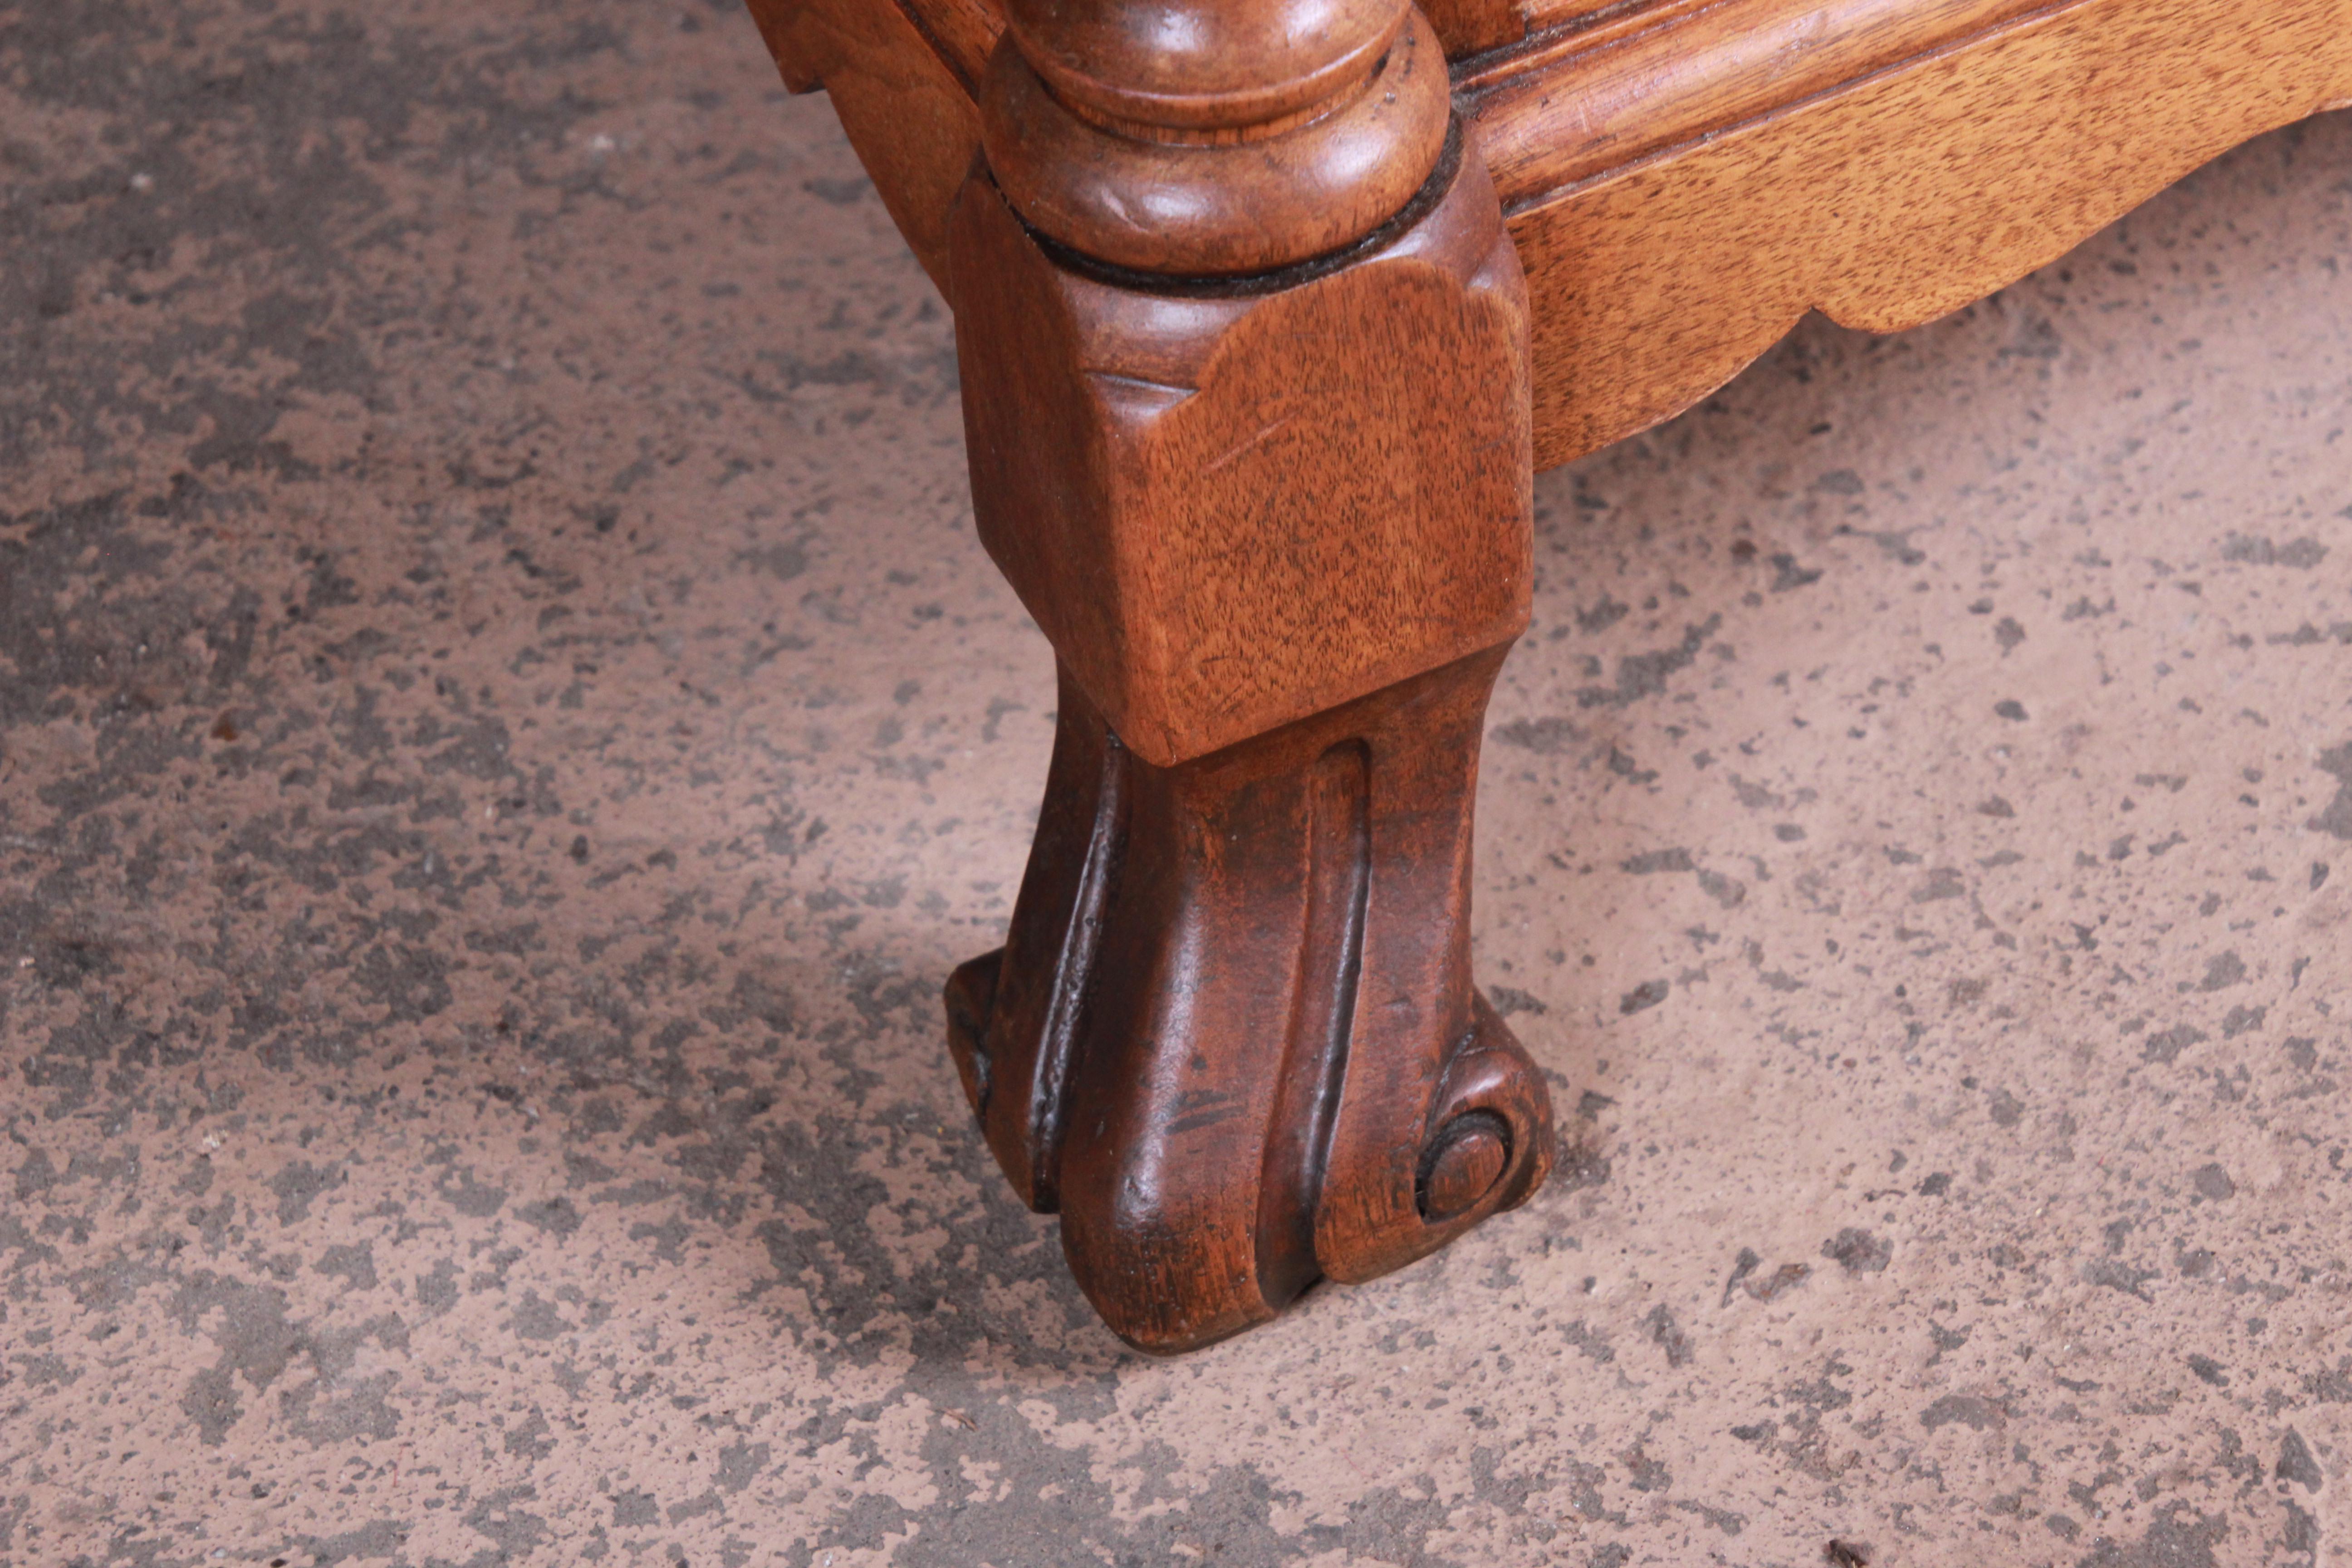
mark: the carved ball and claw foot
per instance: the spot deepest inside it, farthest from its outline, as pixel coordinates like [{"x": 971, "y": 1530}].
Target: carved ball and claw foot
[{"x": 1232, "y": 1038}]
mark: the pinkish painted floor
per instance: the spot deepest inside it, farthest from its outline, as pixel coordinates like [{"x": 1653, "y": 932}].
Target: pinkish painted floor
[{"x": 504, "y": 727}]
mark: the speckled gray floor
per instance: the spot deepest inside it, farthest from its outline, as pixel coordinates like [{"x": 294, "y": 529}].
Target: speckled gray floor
[{"x": 504, "y": 727}]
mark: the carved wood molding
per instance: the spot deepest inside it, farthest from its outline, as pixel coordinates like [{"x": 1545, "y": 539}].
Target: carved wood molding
[
  {"x": 1581, "y": 101},
  {"x": 1686, "y": 178},
  {"x": 1891, "y": 198}
]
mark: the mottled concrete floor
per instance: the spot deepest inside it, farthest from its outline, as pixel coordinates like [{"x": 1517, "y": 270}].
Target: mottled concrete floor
[{"x": 504, "y": 727}]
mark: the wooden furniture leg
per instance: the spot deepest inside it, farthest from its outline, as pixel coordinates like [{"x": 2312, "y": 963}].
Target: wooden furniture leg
[
  {"x": 1246, "y": 366},
  {"x": 1244, "y": 345},
  {"x": 1232, "y": 1066}
]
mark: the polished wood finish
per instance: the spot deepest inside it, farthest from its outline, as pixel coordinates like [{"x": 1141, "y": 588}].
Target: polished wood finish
[
  {"x": 961, "y": 34},
  {"x": 1232, "y": 1038},
  {"x": 901, "y": 95},
  {"x": 1884, "y": 160},
  {"x": 1232, "y": 508},
  {"x": 1280, "y": 178},
  {"x": 1204, "y": 65},
  {"x": 1468, "y": 26},
  {"x": 1264, "y": 321},
  {"x": 1257, "y": 460},
  {"x": 1903, "y": 189},
  {"x": 1244, "y": 346},
  {"x": 1582, "y": 100}
]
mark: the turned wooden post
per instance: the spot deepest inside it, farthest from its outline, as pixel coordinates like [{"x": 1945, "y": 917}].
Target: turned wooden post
[{"x": 1243, "y": 347}]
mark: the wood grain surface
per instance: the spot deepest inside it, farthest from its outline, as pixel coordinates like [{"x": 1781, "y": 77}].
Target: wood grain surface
[
  {"x": 1243, "y": 343},
  {"x": 1540, "y": 17},
  {"x": 902, "y": 97},
  {"x": 1591, "y": 99},
  {"x": 1280, "y": 179},
  {"x": 1229, "y": 510},
  {"x": 1686, "y": 178},
  {"x": 1267, "y": 496},
  {"x": 1467, "y": 26},
  {"x": 1232, "y": 1037},
  {"x": 963, "y": 32},
  {"x": 1896, "y": 198}
]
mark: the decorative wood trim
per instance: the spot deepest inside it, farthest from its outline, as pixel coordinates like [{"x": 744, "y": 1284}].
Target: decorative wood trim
[
  {"x": 964, "y": 32},
  {"x": 1282, "y": 177},
  {"x": 1885, "y": 161},
  {"x": 1245, "y": 342},
  {"x": 1572, "y": 30},
  {"x": 1894, "y": 198}
]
